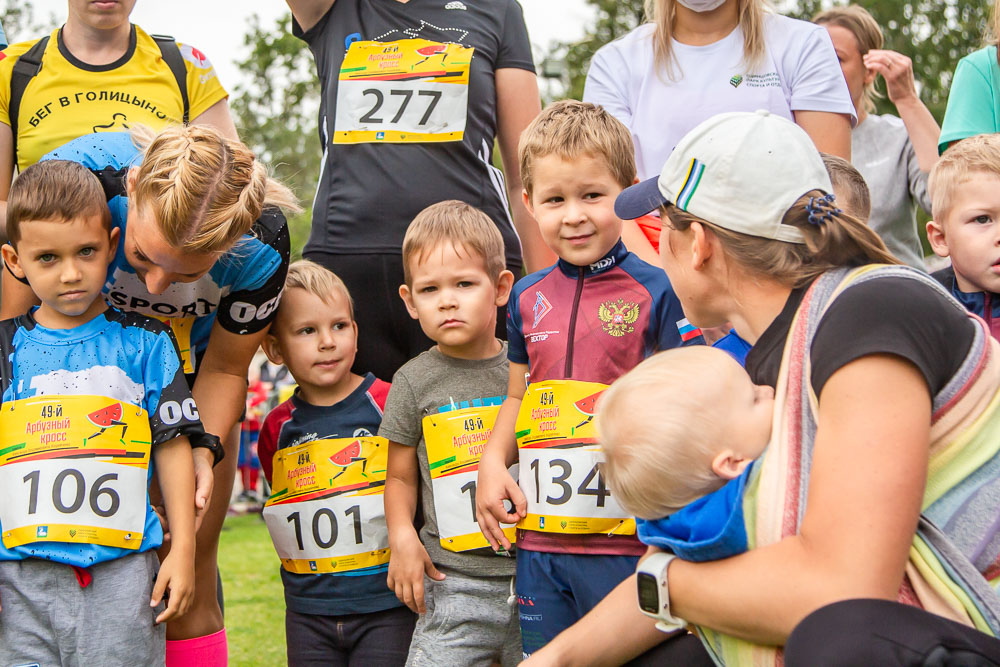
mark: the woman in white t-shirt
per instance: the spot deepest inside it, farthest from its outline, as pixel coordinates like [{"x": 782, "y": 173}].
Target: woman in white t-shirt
[{"x": 699, "y": 58}]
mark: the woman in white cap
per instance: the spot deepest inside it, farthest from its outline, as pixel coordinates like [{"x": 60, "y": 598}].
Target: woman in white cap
[
  {"x": 876, "y": 498},
  {"x": 698, "y": 58}
]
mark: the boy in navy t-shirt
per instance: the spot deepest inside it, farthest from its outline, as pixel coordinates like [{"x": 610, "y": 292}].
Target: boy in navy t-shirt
[
  {"x": 326, "y": 468},
  {"x": 93, "y": 398}
]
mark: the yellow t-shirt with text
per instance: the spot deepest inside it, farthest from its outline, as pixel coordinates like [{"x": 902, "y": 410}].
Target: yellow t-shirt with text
[{"x": 69, "y": 98}]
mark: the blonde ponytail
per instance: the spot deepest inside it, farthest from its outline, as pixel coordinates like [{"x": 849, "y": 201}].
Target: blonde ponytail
[{"x": 204, "y": 190}]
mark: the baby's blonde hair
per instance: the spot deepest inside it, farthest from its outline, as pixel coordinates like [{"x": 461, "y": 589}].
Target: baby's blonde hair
[
  {"x": 570, "y": 129},
  {"x": 660, "y": 429},
  {"x": 204, "y": 190},
  {"x": 318, "y": 281},
  {"x": 459, "y": 224},
  {"x": 980, "y": 153}
]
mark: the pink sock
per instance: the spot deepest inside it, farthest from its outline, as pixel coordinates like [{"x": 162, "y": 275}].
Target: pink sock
[{"x": 208, "y": 651}]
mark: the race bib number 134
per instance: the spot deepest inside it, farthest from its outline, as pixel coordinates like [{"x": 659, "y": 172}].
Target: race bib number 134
[{"x": 408, "y": 91}]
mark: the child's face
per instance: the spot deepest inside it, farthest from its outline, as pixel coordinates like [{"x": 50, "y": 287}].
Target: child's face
[
  {"x": 66, "y": 264},
  {"x": 970, "y": 233},
  {"x": 574, "y": 204},
  {"x": 316, "y": 339},
  {"x": 455, "y": 300}
]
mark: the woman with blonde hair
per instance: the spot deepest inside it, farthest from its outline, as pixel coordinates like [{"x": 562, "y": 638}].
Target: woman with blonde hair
[
  {"x": 974, "y": 99},
  {"x": 204, "y": 247},
  {"x": 870, "y": 517},
  {"x": 894, "y": 154},
  {"x": 697, "y": 58}
]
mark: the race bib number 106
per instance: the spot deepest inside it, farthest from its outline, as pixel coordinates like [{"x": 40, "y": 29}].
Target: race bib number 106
[
  {"x": 73, "y": 469},
  {"x": 408, "y": 91}
]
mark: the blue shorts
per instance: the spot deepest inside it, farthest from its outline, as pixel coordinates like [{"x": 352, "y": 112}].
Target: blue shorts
[{"x": 554, "y": 591}]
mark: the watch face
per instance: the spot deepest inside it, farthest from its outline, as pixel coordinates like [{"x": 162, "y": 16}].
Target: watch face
[{"x": 649, "y": 595}]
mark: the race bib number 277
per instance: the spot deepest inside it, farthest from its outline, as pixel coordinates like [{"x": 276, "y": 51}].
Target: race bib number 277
[{"x": 408, "y": 91}]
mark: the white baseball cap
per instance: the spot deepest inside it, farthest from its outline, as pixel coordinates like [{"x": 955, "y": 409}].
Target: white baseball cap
[{"x": 739, "y": 170}]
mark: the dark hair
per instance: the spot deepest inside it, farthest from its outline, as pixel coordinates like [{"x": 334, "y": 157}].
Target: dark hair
[
  {"x": 55, "y": 190},
  {"x": 846, "y": 177},
  {"x": 841, "y": 240}
]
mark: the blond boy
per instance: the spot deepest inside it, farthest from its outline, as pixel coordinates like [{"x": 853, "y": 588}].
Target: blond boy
[{"x": 965, "y": 199}]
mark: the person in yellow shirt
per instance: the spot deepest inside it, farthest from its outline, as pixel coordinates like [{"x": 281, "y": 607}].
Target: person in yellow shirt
[{"x": 101, "y": 73}]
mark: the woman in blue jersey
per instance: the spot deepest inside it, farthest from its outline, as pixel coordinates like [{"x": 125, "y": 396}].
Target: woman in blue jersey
[{"x": 204, "y": 247}]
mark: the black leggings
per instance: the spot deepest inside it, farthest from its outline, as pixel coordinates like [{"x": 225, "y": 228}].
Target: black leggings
[
  {"x": 387, "y": 336},
  {"x": 860, "y": 633}
]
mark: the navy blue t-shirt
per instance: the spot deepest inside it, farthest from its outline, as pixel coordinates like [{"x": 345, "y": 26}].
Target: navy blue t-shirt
[{"x": 295, "y": 422}]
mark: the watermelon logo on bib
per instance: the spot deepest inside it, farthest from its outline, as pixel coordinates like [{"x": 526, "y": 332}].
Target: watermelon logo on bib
[
  {"x": 107, "y": 417},
  {"x": 348, "y": 456},
  {"x": 587, "y": 407}
]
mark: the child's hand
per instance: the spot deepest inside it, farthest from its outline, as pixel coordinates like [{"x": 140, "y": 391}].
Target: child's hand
[
  {"x": 408, "y": 562},
  {"x": 176, "y": 575},
  {"x": 494, "y": 486},
  {"x": 204, "y": 480}
]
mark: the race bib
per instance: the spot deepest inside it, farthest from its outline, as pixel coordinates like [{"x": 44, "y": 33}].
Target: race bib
[
  {"x": 559, "y": 457},
  {"x": 181, "y": 328},
  {"x": 408, "y": 91},
  {"x": 455, "y": 440},
  {"x": 326, "y": 512},
  {"x": 73, "y": 469}
]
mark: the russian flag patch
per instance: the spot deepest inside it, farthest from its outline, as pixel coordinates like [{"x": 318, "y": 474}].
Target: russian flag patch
[{"x": 687, "y": 330}]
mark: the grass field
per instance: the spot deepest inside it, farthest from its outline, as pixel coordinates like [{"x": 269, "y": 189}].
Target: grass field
[{"x": 255, "y": 603}]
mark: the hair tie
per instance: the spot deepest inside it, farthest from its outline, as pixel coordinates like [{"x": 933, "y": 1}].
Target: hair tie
[{"x": 822, "y": 209}]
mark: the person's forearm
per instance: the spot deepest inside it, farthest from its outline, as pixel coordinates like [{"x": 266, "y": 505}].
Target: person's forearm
[
  {"x": 220, "y": 398},
  {"x": 923, "y": 130},
  {"x": 612, "y": 633},
  {"x": 400, "y": 500},
  {"x": 501, "y": 443},
  {"x": 176, "y": 477}
]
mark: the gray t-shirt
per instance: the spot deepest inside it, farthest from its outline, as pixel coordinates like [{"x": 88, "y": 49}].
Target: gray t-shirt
[
  {"x": 421, "y": 387},
  {"x": 882, "y": 152}
]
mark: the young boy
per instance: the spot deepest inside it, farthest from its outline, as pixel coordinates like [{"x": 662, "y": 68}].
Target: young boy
[
  {"x": 92, "y": 398},
  {"x": 439, "y": 413},
  {"x": 680, "y": 465},
  {"x": 572, "y": 329},
  {"x": 327, "y": 473},
  {"x": 965, "y": 197}
]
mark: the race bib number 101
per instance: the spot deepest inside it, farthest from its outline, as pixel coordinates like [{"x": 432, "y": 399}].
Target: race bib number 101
[
  {"x": 325, "y": 514},
  {"x": 408, "y": 91},
  {"x": 73, "y": 469}
]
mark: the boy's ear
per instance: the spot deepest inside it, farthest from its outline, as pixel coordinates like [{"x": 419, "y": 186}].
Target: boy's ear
[
  {"x": 114, "y": 237},
  {"x": 272, "y": 348},
  {"x": 505, "y": 282},
  {"x": 727, "y": 464},
  {"x": 936, "y": 238},
  {"x": 527, "y": 202},
  {"x": 11, "y": 259},
  {"x": 407, "y": 296}
]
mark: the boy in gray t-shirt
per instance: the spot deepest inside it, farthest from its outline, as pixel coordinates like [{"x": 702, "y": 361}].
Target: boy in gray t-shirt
[{"x": 438, "y": 416}]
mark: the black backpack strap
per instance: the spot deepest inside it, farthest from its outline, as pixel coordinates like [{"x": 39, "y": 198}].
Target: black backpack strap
[
  {"x": 175, "y": 61},
  {"x": 25, "y": 69}
]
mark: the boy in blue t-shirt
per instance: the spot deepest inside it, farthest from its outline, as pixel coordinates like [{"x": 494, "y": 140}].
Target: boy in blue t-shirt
[
  {"x": 326, "y": 468},
  {"x": 92, "y": 398}
]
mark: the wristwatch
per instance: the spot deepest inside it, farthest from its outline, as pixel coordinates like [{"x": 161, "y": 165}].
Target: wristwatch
[
  {"x": 210, "y": 442},
  {"x": 654, "y": 592}
]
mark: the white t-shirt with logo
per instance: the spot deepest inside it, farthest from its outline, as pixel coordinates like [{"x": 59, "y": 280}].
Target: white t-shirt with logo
[{"x": 799, "y": 72}]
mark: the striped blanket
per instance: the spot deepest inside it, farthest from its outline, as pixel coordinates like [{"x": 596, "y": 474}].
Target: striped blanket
[{"x": 954, "y": 562}]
